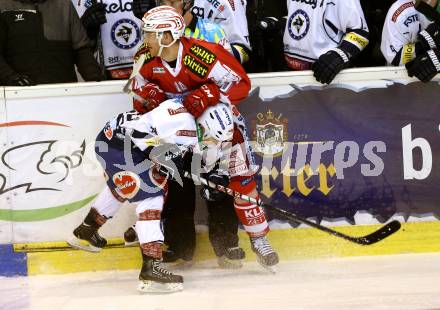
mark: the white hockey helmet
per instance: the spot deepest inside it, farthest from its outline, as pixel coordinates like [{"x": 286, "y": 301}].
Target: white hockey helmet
[
  {"x": 217, "y": 122},
  {"x": 162, "y": 19}
]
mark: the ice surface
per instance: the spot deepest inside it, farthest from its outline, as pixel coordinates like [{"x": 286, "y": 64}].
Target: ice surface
[{"x": 410, "y": 281}]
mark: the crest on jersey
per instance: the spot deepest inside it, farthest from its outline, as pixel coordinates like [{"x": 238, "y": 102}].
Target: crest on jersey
[
  {"x": 298, "y": 25},
  {"x": 125, "y": 34},
  {"x": 270, "y": 133}
]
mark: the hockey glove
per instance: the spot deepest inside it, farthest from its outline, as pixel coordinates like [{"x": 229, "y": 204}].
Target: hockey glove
[
  {"x": 140, "y": 7},
  {"x": 172, "y": 160},
  {"x": 200, "y": 99},
  {"x": 93, "y": 18},
  {"x": 425, "y": 66},
  {"x": 429, "y": 38},
  {"x": 330, "y": 64},
  {"x": 19, "y": 80},
  {"x": 153, "y": 96},
  {"x": 211, "y": 194}
]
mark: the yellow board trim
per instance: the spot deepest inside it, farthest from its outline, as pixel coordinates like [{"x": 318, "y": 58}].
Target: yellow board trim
[{"x": 420, "y": 237}]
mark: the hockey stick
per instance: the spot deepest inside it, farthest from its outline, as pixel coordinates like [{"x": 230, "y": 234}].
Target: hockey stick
[
  {"x": 137, "y": 66},
  {"x": 372, "y": 238}
]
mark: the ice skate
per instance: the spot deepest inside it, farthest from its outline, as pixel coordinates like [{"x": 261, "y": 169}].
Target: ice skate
[
  {"x": 130, "y": 237},
  {"x": 232, "y": 259},
  {"x": 266, "y": 256},
  {"x": 86, "y": 236},
  {"x": 156, "y": 279}
]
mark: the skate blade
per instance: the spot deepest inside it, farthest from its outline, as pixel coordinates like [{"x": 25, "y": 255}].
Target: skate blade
[
  {"x": 82, "y": 245},
  {"x": 152, "y": 287},
  {"x": 271, "y": 269},
  {"x": 225, "y": 263},
  {"x": 131, "y": 243}
]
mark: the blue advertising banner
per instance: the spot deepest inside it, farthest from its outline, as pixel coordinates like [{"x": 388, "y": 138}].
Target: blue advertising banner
[{"x": 330, "y": 152}]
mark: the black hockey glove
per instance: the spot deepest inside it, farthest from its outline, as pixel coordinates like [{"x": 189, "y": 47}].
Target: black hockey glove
[
  {"x": 211, "y": 194},
  {"x": 425, "y": 66},
  {"x": 330, "y": 64},
  {"x": 19, "y": 80},
  {"x": 93, "y": 18},
  {"x": 429, "y": 38},
  {"x": 140, "y": 7},
  {"x": 172, "y": 160}
]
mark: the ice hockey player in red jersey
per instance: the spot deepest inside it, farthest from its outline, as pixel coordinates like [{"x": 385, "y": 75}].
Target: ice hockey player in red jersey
[{"x": 201, "y": 73}]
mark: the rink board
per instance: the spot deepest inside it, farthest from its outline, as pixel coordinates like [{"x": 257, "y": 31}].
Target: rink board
[
  {"x": 291, "y": 244},
  {"x": 32, "y": 221}
]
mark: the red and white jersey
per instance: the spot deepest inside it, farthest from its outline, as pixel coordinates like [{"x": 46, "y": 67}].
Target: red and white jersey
[
  {"x": 314, "y": 27},
  {"x": 399, "y": 34},
  {"x": 198, "y": 62},
  {"x": 229, "y": 14}
]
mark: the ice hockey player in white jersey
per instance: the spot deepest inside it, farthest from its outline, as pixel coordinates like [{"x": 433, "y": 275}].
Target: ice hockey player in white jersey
[
  {"x": 409, "y": 38},
  {"x": 133, "y": 149},
  {"x": 115, "y": 30},
  {"x": 324, "y": 35},
  {"x": 129, "y": 158}
]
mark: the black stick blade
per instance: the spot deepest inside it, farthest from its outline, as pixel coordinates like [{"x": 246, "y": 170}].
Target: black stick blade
[{"x": 379, "y": 234}]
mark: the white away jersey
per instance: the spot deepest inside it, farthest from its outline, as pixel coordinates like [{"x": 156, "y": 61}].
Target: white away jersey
[
  {"x": 315, "y": 26},
  {"x": 169, "y": 123},
  {"x": 230, "y": 14},
  {"x": 402, "y": 24},
  {"x": 121, "y": 35}
]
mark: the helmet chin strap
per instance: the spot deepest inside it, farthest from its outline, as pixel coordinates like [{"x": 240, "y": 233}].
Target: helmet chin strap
[{"x": 159, "y": 36}]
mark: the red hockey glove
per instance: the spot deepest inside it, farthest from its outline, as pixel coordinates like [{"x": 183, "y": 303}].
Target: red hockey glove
[
  {"x": 153, "y": 96},
  {"x": 200, "y": 99}
]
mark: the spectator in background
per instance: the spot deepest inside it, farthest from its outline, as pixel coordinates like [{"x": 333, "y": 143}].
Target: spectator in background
[
  {"x": 409, "y": 38},
  {"x": 111, "y": 25},
  {"x": 267, "y": 21},
  {"x": 375, "y": 12},
  {"x": 324, "y": 36},
  {"x": 40, "y": 43},
  {"x": 231, "y": 16}
]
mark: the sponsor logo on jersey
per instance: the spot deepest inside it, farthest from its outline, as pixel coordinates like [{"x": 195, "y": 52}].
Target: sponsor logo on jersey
[
  {"x": 402, "y": 8},
  {"x": 125, "y": 33},
  {"x": 298, "y": 25},
  {"x": 312, "y": 3},
  {"x": 108, "y": 131},
  {"x": 177, "y": 111},
  {"x": 228, "y": 79},
  {"x": 158, "y": 69},
  {"x": 157, "y": 178},
  {"x": 411, "y": 19},
  {"x": 219, "y": 119},
  {"x": 195, "y": 66},
  {"x": 18, "y": 18},
  {"x": 186, "y": 133},
  {"x": 359, "y": 41},
  {"x": 270, "y": 133},
  {"x": 127, "y": 184},
  {"x": 203, "y": 54}
]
